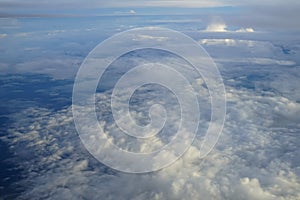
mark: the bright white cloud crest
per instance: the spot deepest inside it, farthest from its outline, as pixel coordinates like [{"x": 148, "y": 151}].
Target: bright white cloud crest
[{"x": 219, "y": 25}]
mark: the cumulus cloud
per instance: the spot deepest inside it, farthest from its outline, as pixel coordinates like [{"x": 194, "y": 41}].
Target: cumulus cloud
[
  {"x": 245, "y": 30},
  {"x": 132, "y": 12},
  {"x": 256, "y": 157},
  {"x": 220, "y": 26},
  {"x": 217, "y": 25},
  {"x": 3, "y": 35}
]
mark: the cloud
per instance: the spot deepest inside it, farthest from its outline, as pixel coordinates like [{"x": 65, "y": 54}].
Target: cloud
[
  {"x": 251, "y": 189},
  {"x": 276, "y": 15},
  {"x": 219, "y": 25},
  {"x": 3, "y": 35},
  {"x": 216, "y": 27},
  {"x": 149, "y": 37},
  {"x": 268, "y": 61},
  {"x": 255, "y": 158},
  {"x": 228, "y": 42},
  {"x": 51, "y": 67},
  {"x": 245, "y": 30},
  {"x": 250, "y": 52},
  {"x": 132, "y": 12}
]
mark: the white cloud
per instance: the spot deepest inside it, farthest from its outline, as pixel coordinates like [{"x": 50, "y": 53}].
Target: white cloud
[
  {"x": 132, "y": 12},
  {"x": 256, "y": 158},
  {"x": 228, "y": 42},
  {"x": 251, "y": 189},
  {"x": 149, "y": 37},
  {"x": 216, "y": 27},
  {"x": 245, "y": 30},
  {"x": 3, "y": 35},
  {"x": 268, "y": 61},
  {"x": 219, "y": 25}
]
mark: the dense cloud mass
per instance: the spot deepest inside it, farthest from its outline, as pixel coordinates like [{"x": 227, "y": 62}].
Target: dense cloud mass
[{"x": 256, "y": 157}]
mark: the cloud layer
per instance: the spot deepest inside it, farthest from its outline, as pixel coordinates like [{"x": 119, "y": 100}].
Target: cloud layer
[{"x": 255, "y": 158}]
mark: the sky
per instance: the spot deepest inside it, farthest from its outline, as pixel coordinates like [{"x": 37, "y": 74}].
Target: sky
[
  {"x": 256, "y": 47},
  {"x": 278, "y": 14}
]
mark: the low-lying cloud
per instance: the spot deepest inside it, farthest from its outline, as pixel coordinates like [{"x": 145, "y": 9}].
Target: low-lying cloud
[{"x": 256, "y": 157}]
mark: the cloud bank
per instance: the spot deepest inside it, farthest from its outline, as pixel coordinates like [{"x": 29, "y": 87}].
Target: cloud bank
[{"x": 255, "y": 158}]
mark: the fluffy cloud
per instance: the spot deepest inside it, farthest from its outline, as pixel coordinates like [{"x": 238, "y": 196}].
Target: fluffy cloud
[
  {"x": 216, "y": 27},
  {"x": 245, "y": 30},
  {"x": 219, "y": 25},
  {"x": 132, "y": 12},
  {"x": 3, "y": 35},
  {"x": 256, "y": 157}
]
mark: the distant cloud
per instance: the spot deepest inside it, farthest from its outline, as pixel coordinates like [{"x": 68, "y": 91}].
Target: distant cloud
[
  {"x": 234, "y": 47},
  {"x": 149, "y": 37},
  {"x": 219, "y": 25},
  {"x": 276, "y": 14},
  {"x": 228, "y": 42},
  {"x": 3, "y": 35},
  {"x": 243, "y": 30},
  {"x": 216, "y": 27},
  {"x": 132, "y": 12}
]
